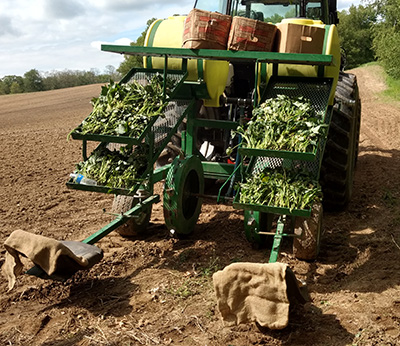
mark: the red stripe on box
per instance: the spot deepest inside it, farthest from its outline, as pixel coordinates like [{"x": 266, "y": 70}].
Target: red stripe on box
[{"x": 218, "y": 21}]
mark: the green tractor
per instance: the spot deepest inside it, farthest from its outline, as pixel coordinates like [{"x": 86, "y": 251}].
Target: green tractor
[
  {"x": 234, "y": 83},
  {"x": 216, "y": 91}
]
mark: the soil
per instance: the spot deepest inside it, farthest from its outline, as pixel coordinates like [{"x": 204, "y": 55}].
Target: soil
[{"x": 157, "y": 290}]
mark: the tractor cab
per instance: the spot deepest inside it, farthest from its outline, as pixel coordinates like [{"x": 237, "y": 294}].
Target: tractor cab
[{"x": 273, "y": 11}]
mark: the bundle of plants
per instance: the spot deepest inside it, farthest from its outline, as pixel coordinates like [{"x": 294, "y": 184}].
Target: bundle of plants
[
  {"x": 125, "y": 109},
  {"x": 118, "y": 168},
  {"x": 279, "y": 187},
  {"x": 284, "y": 123}
]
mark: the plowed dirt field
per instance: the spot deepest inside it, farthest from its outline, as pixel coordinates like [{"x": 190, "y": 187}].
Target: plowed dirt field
[{"x": 157, "y": 290}]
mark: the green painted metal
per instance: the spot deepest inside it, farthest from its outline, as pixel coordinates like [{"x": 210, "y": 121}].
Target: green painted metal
[
  {"x": 273, "y": 257},
  {"x": 184, "y": 178},
  {"x": 120, "y": 220},
  {"x": 228, "y": 55},
  {"x": 152, "y": 158},
  {"x": 109, "y": 138},
  {"x": 292, "y": 155},
  {"x": 193, "y": 89},
  {"x": 269, "y": 209},
  {"x": 217, "y": 170},
  {"x": 84, "y": 150},
  {"x": 255, "y": 226},
  {"x": 103, "y": 189},
  {"x": 200, "y": 69},
  {"x": 160, "y": 173},
  {"x": 191, "y": 133},
  {"x": 150, "y": 43},
  {"x": 230, "y": 178},
  {"x": 321, "y": 69}
]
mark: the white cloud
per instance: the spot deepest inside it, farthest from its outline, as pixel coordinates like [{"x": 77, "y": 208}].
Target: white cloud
[
  {"x": 65, "y": 34},
  {"x": 345, "y": 4},
  {"x": 63, "y": 9},
  {"x": 121, "y": 41},
  {"x": 7, "y": 27},
  {"x": 138, "y": 5}
]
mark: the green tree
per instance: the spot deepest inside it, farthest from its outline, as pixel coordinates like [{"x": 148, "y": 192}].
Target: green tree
[
  {"x": 111, "y": 72},
  {"x": 15, "y": 88},
  {"x": 134, "y": 60},
  {"x": 387, "y": 35},
  {"x": 275, "y": 18},
  {"x": 356, "y": 35},
  {"x": 33, "y": 81},
  {"x": 7, "y": 82},
  {"x": 2, "y": 88},
  {"x": 87, "y": 77}
]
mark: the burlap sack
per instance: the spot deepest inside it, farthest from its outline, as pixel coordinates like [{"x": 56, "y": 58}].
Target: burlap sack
[
  {"x": 48, "y": 254},
  {"x": 252, "y": 35},
  {"x": 206, "y": 30},
  {"x": 253, "y": 292}
]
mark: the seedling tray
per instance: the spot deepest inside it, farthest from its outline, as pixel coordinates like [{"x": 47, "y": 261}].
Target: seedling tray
[
  {"x": 161, "y": 131},
  {"x": 113, "y": 138},
  {"x": 142, "y": 76},
  {"x": 103, "y": 189},
  {"x": 317, "y": 90},
  {"x": 269, "y": 209}
]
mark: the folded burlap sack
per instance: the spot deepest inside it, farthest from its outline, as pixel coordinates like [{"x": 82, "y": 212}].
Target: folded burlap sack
[
  {"x": 253, "y": 292},
  {"x": 48, "y": 254}
]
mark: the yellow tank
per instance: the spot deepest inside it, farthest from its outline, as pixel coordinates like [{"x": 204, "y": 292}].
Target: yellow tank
[{"x": 168, "y": 33}]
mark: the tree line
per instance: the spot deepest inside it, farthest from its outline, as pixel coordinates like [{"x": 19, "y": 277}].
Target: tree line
[
  {"x": 33, "y": 80},
  {"x": 372, "y": 33}
]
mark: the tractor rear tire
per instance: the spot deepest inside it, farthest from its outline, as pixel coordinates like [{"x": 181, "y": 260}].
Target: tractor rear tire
[{"x": 338, "y": 163}]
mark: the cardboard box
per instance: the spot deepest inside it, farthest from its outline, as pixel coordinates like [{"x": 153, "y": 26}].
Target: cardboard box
[
  {"x": 295, "y": 38},
  {"x": 251, "y": 35},
  {"x": 206, "y": 30}
]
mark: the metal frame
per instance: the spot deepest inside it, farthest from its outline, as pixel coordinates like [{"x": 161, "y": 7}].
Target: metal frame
[{"x": 191, "y": 91}]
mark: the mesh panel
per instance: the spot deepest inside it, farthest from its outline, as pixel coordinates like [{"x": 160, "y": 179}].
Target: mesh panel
[
  {"x": 163, "y": 125},
  {"x": 316, "y": 90},
  {"x": 144, "y": 77},
  {"x": 274, "y": 162}
]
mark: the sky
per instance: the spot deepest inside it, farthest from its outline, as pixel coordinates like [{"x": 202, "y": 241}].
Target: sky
[{"x": 55, "y": 35}]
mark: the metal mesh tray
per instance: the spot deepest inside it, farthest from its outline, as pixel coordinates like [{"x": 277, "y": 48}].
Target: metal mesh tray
[
  {"x": 163, "y": 129},
  {"x": 317, "y": 90},
  {"x": 103, "y": 189},
  {"x": 269, "y": 209},
  {"x": 142, "y": 76}
]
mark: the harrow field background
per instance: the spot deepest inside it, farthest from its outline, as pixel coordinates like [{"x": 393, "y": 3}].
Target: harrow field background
[{"x": 155, "y": 290}]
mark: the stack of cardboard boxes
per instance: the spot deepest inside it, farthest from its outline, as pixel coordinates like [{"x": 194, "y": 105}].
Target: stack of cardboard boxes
[{"x": 213, "y": 30}]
